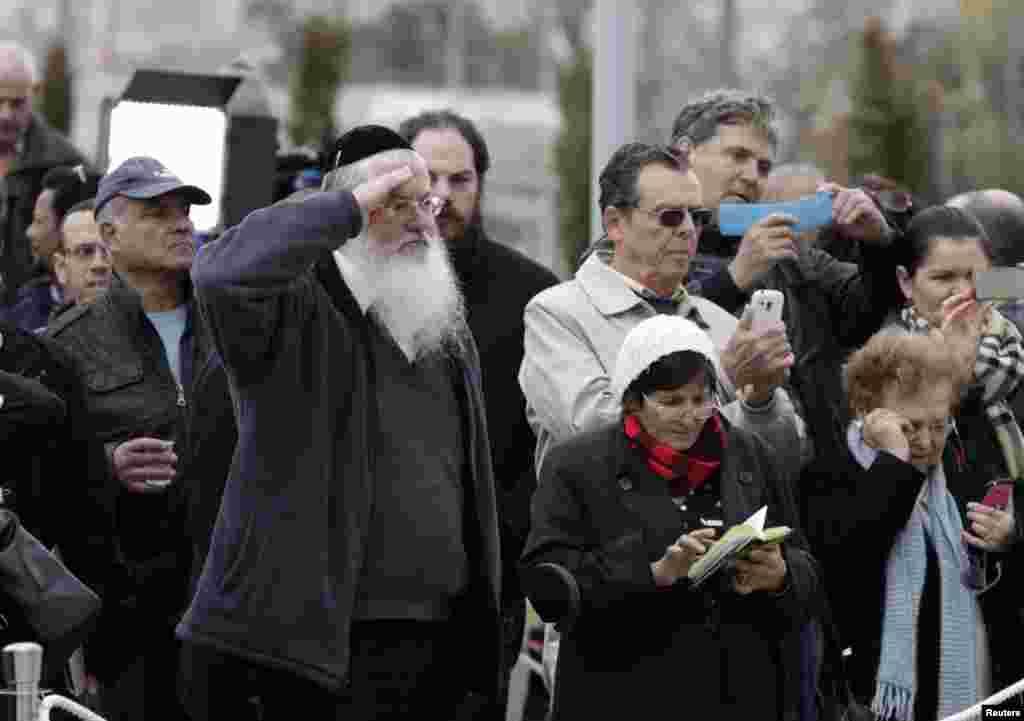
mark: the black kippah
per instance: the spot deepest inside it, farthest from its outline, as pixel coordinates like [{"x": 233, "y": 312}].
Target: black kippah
[{"x": 366, "y": 140}]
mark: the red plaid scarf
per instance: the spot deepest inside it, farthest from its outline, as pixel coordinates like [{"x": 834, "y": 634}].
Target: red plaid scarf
[{"x": 685, "y": 471}]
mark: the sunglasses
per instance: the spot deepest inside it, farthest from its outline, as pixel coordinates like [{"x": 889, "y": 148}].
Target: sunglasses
[{"x": 674, "y": 217}]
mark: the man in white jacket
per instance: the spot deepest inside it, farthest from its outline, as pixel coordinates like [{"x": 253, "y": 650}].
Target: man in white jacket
[{"x": 651, "y": 210}]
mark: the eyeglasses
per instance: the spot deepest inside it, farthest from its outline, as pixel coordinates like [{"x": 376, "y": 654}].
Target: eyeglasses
[
  {"x": 698, "y": 412},
  {"x": 674, "y": 217},
  {"x": 430, "y": 205},
  {"x": 87, "y": 251},
  {"x": 915, "y": 429}
]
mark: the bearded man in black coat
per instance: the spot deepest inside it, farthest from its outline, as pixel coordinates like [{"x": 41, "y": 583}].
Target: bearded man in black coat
[{"x": 497, "y": 282}]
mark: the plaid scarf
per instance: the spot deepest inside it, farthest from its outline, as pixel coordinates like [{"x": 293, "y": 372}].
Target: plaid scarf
[
  {"x": 685, "y": 471},
  {"x": 998, "y": 370}
]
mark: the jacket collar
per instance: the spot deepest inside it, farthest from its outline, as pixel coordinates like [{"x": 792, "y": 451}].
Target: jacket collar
[
  {"x": 607, "y": 288},
  {"x": 44, "y": 147},
  {"x": 126, "y": 302}
]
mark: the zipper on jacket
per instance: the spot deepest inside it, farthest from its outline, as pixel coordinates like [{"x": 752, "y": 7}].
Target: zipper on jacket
[{"x": 181, "y": 394}]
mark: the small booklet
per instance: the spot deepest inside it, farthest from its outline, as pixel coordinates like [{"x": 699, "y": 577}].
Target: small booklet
[{"x": 734, "y": 544}]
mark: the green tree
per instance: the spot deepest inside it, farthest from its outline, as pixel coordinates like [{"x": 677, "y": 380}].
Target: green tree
[
  {"x": 980, "y": 147},
  {"x": 888, "y": 127},
  {"x": 315, "y": 80},
  {"x": 572, "y": 155},
  {"x": 56, "y": 101}
]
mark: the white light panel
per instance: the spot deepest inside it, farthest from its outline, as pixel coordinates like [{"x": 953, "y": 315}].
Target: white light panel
[{"x": 188, "y": 139}]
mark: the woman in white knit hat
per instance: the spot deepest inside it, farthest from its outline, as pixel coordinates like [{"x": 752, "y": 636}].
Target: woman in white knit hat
[{"x": 626, "y": 509}]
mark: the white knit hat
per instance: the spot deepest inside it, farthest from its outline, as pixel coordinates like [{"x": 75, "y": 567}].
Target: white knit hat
[{"x": 656, "y": 338}]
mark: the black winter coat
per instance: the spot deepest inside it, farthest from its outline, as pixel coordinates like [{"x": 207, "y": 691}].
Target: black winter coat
[
  {"x": 131, "y": 392},
  {"x": 972, "y": 458},
  {"x": 281, "y": 575},
  {"x": 498, "y": 282},
  {"x": 639, "y": 652},
  {"x": 45, "y": 148},
  {"x": 852, "y": 517},
  {"x": 54, "y": 476}
]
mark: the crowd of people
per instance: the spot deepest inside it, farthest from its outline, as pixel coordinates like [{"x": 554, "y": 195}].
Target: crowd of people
[{"x": 323, "y": 460}]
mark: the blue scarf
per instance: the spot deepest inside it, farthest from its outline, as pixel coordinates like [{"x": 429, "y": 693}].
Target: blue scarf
[{"x": 935, "y": 518}]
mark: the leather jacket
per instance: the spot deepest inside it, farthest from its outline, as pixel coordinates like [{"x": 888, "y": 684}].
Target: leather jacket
[
  {"x": 53, "y": 475},
  {"x": 131, "y": 392}
]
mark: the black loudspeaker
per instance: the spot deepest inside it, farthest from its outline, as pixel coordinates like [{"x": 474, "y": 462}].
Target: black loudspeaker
[{"x": 250, "y": 166}]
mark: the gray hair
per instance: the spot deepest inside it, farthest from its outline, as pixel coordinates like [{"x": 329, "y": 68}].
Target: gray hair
[
  {"x": 21, "y": 57},
  {"x": 347, "y": 177},
  {"x": 112, "y": 210},
  {"x": 698, "y": 120},
  {"x": 1001, "y": 214}
]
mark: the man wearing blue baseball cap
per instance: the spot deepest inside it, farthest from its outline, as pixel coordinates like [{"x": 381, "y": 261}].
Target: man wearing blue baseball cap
[{"x": 137, "y": 347}]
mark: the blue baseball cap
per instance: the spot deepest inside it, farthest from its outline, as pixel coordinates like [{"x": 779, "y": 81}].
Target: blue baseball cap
[{"x": 143, "y": 177}]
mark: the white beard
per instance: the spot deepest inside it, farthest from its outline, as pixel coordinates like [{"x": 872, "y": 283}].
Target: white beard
[{"x": 415, "y": 297}]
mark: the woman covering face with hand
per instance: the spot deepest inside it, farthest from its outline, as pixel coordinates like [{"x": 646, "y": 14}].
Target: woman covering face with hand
[
  {"x": 891, "y": 539},
  {"x": 628, "y": 508},
  {"x": 945, "y": 249}
]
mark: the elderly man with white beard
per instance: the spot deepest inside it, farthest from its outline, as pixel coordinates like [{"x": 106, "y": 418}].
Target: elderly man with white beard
[{"x": 354, "y": 565}]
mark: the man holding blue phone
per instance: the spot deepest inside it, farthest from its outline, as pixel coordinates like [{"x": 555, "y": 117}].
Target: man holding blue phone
[{"x": 830, "y": 306}]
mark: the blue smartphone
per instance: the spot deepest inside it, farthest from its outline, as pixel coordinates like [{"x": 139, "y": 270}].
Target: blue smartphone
[{"x": 813, "y": 211}]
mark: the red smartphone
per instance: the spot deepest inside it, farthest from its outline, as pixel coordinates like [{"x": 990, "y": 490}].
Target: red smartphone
[{"x": 998, "y": 495}]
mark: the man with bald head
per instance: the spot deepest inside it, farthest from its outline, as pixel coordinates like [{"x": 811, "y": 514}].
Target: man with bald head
[
  {"x": 28, "y": 149},
  {"x": 354, "y": 566},
  {"x": 1001, "y": 214}
]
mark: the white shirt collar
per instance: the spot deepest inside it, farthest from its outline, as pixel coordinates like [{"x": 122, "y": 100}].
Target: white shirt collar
[
  {"x": 355, "y": 281},
  {"x": 638, "y": 287}
]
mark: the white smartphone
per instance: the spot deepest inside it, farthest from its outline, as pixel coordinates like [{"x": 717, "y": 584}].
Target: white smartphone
[{"x": 767, "y": 308}]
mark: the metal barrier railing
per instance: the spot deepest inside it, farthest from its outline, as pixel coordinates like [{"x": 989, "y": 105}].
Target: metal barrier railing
[
  {"x": 73, "y": 707},
  {"x": 974, "y": 712},
  {"x": 23, "y": 666}
]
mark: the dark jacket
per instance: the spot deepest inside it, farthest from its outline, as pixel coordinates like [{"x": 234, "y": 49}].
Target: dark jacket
[
  {"x": 211, "y": 438},
  {"x": 639, "y": 652},
  {"x": 56, "y": 479},
  {"x": 27, "y": 410},
  {"x": 497, "y": 282},
  {"x": 285, "y": 560},
  {"x": 830, "y": 309},
  {"x": 972, "y": 458},
  {"x": 34, "y": 305},
  {"x": 44, "y": 148},
  {"x": 131, "y": 392},
  {"x": 852, "y": 517}
]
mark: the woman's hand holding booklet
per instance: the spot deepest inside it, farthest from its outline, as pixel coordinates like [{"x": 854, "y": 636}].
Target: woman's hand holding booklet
[{"x": 736, "y": 544}]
